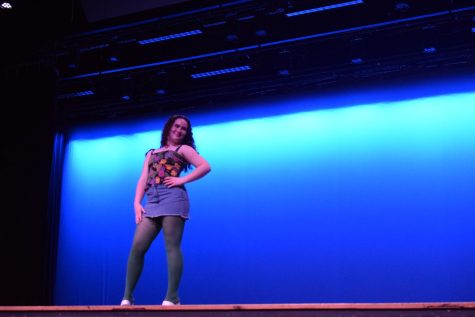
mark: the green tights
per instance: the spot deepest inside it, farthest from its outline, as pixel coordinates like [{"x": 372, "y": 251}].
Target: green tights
[{"x": 145, "y": 232}]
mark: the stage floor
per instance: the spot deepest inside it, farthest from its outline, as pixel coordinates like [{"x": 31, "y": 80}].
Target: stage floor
[{"x": 465, "y": 309}]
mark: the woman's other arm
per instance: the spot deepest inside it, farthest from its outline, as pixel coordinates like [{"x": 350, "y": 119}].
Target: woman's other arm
[{"x": 140, "y": 189}]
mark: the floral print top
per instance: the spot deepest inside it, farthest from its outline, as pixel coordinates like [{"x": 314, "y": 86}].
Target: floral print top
[{"x": 163, "y": 164}]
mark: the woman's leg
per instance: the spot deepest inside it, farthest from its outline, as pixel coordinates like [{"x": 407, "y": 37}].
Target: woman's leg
[
  {"x": 173, "y": 227},
  {"x": 145, "y": 232}
]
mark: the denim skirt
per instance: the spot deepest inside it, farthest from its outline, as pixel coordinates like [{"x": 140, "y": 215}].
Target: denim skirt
[{"x": 164, "y": 201}]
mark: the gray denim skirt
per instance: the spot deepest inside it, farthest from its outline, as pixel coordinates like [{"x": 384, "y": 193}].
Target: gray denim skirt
[{"x": 164, "y": 201}]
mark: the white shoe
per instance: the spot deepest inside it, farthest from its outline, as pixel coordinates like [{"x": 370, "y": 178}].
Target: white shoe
[
  {"x": 126, "y": 302},
  {"x": 168, "y": 303}
]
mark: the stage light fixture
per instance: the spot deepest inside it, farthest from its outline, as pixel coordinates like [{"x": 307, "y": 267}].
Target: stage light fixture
[
  {"x": 261, "y": 33},
  {"x": 73, "y": 59},
  {"x": 401, "y": 6},
  {"x": 249, "y": 17},
  {"x": 94, "y": 47},
  {"x": 232, "y": 38},
  {"x": 73, "y": 65},
  {"x": 6, "y": 6},
  {"x": 284, "y": 72},
  {"x": 329, "y": 7},
  {"x": 127, "y": 88},
  {"x": 113, "y": 59},
  {"x": 430, "y": 50},
  {"x": 219, "y": 23},
  {"x": 76, "y": 94},
  {"x": 169, "y": 37},
  {"x": 113, "y": 53},
  {"x": 221, "y": 71},
  {"x": 158, "y": 82},
  {"x": 357, "y": 50}
]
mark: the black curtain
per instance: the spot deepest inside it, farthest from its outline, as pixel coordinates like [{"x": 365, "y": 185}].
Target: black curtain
[
  {"x": 29, "y": 123},
  {"x": 28, "y": 128}
]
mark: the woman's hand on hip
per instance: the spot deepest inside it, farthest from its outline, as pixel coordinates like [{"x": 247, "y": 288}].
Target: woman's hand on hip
[{"x": 171, "y": 181}]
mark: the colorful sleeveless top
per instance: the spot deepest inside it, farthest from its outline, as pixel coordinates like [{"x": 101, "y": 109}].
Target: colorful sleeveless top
[{"x": 163, "y": 164}]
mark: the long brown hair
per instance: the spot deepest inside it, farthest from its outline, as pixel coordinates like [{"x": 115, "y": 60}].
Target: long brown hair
[{"x": 188, "y": 140}]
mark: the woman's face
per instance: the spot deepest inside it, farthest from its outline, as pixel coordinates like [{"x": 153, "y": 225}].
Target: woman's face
[{"x": 178, "y": 131}]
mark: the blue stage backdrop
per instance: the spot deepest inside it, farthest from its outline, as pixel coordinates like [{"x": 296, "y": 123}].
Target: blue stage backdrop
[{"x": 356, "y": 196}]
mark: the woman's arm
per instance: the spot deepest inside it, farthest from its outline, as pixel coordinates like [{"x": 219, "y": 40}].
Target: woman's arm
[
  {"x": 140, "y": 189},
  {"x": 202, "y": 168}
]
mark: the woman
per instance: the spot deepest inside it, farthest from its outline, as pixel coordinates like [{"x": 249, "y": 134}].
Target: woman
[{"x": 166, "y": 206}]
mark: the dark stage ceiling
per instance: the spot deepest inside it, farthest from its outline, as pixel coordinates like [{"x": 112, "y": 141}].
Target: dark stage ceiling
[{"x": 178, "y": 54}]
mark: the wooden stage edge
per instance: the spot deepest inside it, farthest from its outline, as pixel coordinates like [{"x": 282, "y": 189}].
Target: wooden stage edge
[{"x": 283, "y": 309}]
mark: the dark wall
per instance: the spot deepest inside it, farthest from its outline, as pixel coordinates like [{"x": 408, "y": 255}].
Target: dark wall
[
  {"x": 28, "y": 125},
  {"x": 27, "y": 90}
]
